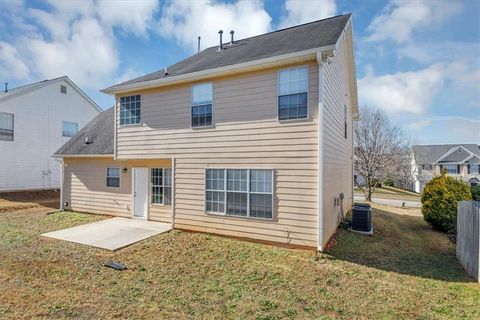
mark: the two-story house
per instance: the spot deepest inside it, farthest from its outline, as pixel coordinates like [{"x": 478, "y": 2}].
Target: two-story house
[
  {"x": 250, "y": 139},
  {"x": 35, "y": 120},
  {"x": 458, "y": 160}
]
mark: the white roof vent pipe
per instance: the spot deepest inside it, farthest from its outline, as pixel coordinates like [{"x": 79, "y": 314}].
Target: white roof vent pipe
[
  {"x": 199, "y": 38},
  {"x": 231, "y": 36}
]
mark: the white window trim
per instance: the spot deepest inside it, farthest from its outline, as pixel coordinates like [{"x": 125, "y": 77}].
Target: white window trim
[
  {"x": 120, "y": 125},
  {"x": 119, "y": 177},
  {"x": 163, "y": 186},
  {"x": 69, "y": 122},
  {"x": 308, "y": 94},
  {"x": 191, "y": 106},
  {"x": 224, "y": 214}
]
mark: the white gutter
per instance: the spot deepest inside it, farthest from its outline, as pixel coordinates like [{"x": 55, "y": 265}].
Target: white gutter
[{"x": 294, "y": 57}]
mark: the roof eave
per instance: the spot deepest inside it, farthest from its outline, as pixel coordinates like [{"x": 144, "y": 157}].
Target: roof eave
[
  {"x": 83, "y": 155},
  {"x": 265, "y": 63}
]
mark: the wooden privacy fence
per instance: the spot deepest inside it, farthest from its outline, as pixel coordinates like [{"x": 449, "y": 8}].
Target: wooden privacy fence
[{"x": 468, "y": 237}]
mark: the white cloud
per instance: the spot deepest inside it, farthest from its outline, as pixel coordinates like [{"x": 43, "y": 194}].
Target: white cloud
[
  {"x": 133, "y": 16},
  {"x": 184, "y": 21},
  {"x": 450, "y": 129},
  {"x": 11, "y": 65},
  {"x": 419, "y": 124},
  {"x": 409, "y": 92},
  {"x": 401, "y": 17},
  {"x": 75, "y": 38},
  {"x": 302, "y": 11}
]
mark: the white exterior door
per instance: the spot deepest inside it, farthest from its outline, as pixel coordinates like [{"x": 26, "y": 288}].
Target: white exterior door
[{"x": 140, "y": 192}]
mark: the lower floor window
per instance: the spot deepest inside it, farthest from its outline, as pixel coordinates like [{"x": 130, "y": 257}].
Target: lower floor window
[
  {"x": 240, "y": 192},
  {"x": 161, "y": 185},
  {"x": 113, "y": 177}
]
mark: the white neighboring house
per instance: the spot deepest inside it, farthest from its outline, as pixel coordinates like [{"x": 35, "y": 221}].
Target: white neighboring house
[
  {"x": 36, "y": 120},
  {"x": 460, "y": 160}
]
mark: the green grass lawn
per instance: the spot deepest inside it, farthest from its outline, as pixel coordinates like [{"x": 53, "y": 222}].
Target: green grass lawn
[{"x": 405, "y": 271}]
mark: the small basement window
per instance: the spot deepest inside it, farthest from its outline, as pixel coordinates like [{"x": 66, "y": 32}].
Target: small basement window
[
  {"x": 6, "y": 126},
  {"x": 63, "y": 89},
  {"x": 113, "y": 177}
]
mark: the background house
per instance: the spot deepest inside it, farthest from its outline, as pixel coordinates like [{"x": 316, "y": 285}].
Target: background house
[
  {"x": 35, "y": 120},
  {"x": 459, "y": 160}
]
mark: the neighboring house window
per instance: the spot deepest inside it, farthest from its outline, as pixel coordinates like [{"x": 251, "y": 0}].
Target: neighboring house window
[
  {"x": 161, "y": 186},
  {"x": 345, "y": 120},
  {"x": 240, "y": 192},
  {"x": 474, "y": 168},
  {"x": 451, "y": 168},
  {"x": 130, "y": 110},
  {"x": 202, "y": 105},
  {"x": 292, "y": 93},
  {"x": 6, "y": 126},
  {"x": 69, "y": 129},
  {"x": 113, "y": 177},
  {"x": 63, "y": 89}
]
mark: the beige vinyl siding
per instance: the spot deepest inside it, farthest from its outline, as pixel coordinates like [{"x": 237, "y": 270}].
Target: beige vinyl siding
[
  {"x": 85, "y": 187},
  {"x": 246, "y": 134},
  {"x": 337, "y": 151}
]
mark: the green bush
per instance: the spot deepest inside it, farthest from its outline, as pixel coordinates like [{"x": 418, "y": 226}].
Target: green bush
[
  {"x": 439, "y": 202},
  {"x": 475, "y": 193}
]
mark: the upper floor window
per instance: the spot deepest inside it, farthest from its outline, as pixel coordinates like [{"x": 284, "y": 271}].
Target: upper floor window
[
  {"x": 345, "y": 132},
  {"x": 474, "y": 168},
  {"x": 6, "y": 126},
  {"x": 69, "y": 129},
  {"x": 130, "y": 110},
  {"x": 202, "y": 105},
  {"x": 292, "y": 93},
  {"x": 452, "y": 168},
  {"x": 63, "y": 88}
]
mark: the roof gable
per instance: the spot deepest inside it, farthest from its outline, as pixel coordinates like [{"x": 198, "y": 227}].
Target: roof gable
[
  {"x": 18, "y": 91},
  {"x": 429, "y": 154},
  {"x": 457, "y": 154}
]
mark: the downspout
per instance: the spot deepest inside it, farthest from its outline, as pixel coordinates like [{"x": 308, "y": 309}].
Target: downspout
[
  {"x": 115, "y": 129},
  {"x": 62, "y": 173},
  {"x": 173, "y": 193},
  {"x": 320, "y": 151}
]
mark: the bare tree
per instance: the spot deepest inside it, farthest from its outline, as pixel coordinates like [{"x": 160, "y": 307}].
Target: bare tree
[{"x": 380, "y": 149}]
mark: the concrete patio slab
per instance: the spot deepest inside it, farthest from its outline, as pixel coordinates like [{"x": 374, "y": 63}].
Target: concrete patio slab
[{"x": 111, "y": 234}]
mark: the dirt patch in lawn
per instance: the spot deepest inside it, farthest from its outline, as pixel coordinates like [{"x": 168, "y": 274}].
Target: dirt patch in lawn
[
  {"x": 405, "y": 271},
  {"x": 10, "y": 201}
]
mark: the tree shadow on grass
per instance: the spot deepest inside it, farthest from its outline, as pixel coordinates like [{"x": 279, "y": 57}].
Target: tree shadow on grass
[{"x": 403, "y": 244}]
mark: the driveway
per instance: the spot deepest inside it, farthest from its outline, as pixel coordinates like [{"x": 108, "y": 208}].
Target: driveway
[{"x": 111, "y": 234}]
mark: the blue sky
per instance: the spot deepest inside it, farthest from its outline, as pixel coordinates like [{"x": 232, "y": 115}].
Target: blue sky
[{"x": 417, "y": 60}]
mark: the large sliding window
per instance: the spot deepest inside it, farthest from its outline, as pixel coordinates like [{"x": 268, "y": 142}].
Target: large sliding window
[
  {"x": 292, "y": 93},
  {"x": 240, "y": 192},
  {"x": 202, "y": 105},
  {"x": 6, "y": 126},
  {"x": 130, "y": 110},
  {"x": 161, "y": 186}
]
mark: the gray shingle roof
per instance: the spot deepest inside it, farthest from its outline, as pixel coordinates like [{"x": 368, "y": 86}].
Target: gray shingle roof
[
  {"x": 428, "y": 154},
  {"x": 298, "y": 38},
  {"x": 99, "y": 131}
]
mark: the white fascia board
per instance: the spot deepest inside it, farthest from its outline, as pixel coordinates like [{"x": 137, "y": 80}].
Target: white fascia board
[
  {"x": 470, "y": 157},
  {"x": 274, "y": 61}
]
